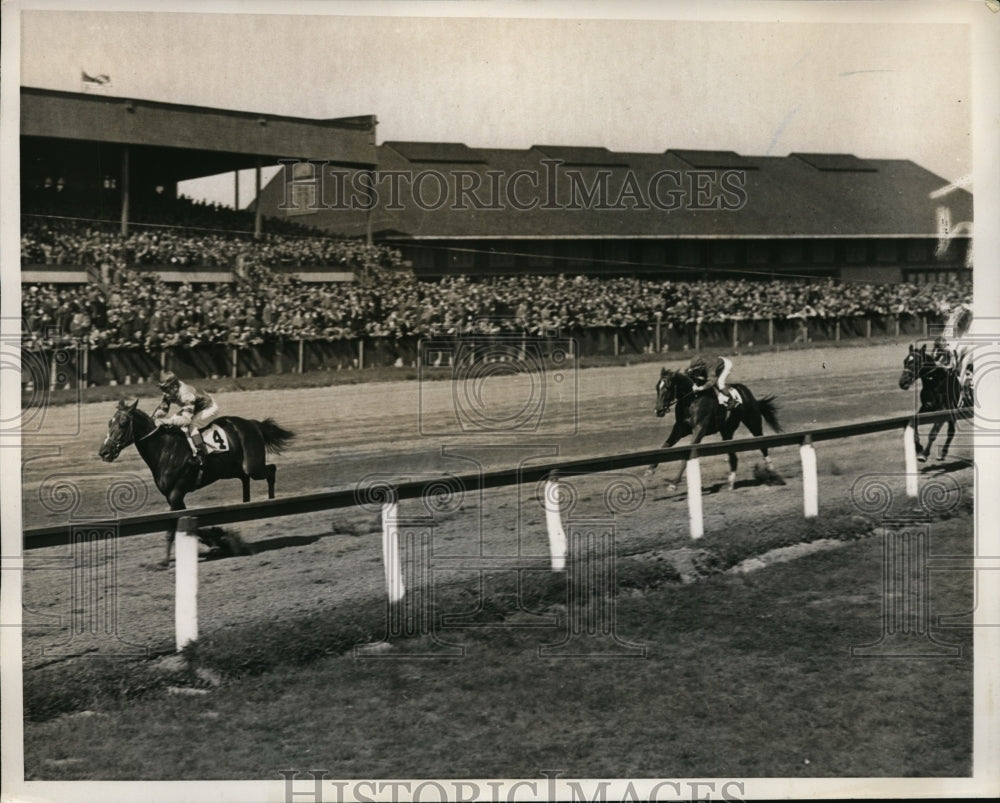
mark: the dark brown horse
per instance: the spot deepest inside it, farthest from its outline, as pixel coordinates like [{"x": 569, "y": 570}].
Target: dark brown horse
[
  {"x": 940, "y": 389},
  {"x": 168, "y": 454},
  {"x": 699, "y": 414}
]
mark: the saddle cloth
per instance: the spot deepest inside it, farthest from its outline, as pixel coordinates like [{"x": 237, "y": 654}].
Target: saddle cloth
[
  {"x": 734, "y": 393},
  {"x": 216, "y": 439}
]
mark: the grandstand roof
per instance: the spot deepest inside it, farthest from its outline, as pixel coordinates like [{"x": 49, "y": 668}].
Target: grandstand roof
[
  {"x": 175, "y": 142},
  {"x": 715, "y": 194}
]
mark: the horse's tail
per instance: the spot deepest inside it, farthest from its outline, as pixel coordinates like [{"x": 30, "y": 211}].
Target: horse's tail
[
  {"x": 769, "y": 411},
  {"x": 275, "y": 437}
]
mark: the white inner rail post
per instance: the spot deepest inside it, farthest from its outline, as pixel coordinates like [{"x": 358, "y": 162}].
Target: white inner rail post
[
  {"x": 810, "y": 481},
  {"x": 695, "y": 517},
  {"x": 186, "y": 571},
  {"x": 553, "y": 523},
  {"x": 910, "y": 455},
  {"x": 390, "y": 551}
]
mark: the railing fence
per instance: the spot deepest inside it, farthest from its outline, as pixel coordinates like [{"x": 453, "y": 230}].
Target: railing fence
[{"x": 190, "y": 520}]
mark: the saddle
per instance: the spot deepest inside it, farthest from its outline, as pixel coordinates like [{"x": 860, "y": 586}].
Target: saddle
[{"x": 214, "y": 437}]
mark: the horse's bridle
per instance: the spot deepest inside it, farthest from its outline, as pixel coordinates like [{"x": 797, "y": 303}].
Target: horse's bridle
[
  {"x": 131, "y": 432},
  {"x": 678, "y": 396}
]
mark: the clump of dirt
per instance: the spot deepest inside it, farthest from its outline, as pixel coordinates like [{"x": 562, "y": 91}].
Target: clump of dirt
[{"x": 785, "y": 554}]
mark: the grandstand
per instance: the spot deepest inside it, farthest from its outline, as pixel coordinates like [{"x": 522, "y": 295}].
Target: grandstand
[
  {"x": 681, "y": 214},
  {"x": 125, "y": 278},
  {"x": 94, "y": 165}
]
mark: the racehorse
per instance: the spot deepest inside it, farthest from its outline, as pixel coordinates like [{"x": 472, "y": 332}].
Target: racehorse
[
  {"x": 168, "y": 455},
  {"x": 700, "y": 414},
  {"x": 940, "y": 389}
]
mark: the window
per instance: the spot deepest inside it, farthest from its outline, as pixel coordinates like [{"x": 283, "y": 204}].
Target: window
[
  {"x": 918, "y": 251},
  {"x": 422, "y": 256},
  {"x": 502, "y": 257},
  {"x": 856, "y": 251},
  {"x": 580, "y": 253},
  {"x": 822, "y": 252},
  {"x": 461, "y": 258},
  {"x": 886, "y": 251},
  {"x": 758, "y": 252},
  {"x": 541, "y": 255},
  {"x": 690, "y": 253},
  {"x": 653, "y": 254},
  {"x": 790, "y": 252},
  {"x": 723, "y": 253}
]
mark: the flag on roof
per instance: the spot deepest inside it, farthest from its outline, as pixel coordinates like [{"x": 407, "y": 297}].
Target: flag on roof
[{"x": 94, "y": 83}]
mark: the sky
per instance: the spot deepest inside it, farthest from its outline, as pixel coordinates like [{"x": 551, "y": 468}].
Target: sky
[{"x": 886, "y": 86}]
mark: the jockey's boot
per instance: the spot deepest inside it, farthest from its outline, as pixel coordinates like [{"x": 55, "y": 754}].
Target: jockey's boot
[
  {"x": 730, "y": 402},
  {"x": 199, "y": 447}
]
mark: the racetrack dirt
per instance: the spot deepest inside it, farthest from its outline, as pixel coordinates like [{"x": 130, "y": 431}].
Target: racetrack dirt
[{"x": 363, "y": 433}]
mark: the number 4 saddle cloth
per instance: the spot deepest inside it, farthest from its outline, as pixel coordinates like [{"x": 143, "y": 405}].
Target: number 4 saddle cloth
[{"x": 216, "y": 439}]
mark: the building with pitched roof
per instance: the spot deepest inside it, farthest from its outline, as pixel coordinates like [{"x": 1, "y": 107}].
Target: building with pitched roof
[{"x": 684, "y": 214}]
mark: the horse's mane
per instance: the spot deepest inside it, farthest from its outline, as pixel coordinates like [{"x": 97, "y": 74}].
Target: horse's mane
[{"x": 677, "y": 375}]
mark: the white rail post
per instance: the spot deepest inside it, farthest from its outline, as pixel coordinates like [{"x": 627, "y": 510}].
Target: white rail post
[
  {"x": 810, "y": 482},
  {"x": 910, "y": 455},
  {"x": 186, "y": 571},
  {"x": 695, "y": 518},
  {"x": 553, "y": 523},
  {"x": 390, "y": 551}
]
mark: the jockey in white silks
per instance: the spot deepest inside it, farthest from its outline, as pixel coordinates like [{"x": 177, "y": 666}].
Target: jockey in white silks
[
  {"x": 950, "y": 352},
  {"x": 197, "y": 409}
]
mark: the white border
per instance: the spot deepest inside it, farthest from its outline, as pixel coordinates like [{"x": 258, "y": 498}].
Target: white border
[{"x": 986, "y": 117}]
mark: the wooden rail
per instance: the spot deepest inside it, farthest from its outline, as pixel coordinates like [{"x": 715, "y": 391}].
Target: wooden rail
[{"x": 60, "y": 535}]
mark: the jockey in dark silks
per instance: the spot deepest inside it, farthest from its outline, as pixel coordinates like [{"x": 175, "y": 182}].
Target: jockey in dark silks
[
  {"x": 197, "y": 409},
  {"x": 715, "y": 379}
]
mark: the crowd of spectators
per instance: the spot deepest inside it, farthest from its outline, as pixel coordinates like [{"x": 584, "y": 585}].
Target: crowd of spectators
[
  {"x": 49, "y": 240},
  {"x": 142, "y": 310},
  {"x": 133, "y": 307}
]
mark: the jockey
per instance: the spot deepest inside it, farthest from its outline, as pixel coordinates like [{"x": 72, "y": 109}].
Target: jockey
[
  {"x": 196, "y": 410},
  {"x": 959, "y": 354},
  {"x": 698, "y": 371},
  {"x": 943, "y": 354}
]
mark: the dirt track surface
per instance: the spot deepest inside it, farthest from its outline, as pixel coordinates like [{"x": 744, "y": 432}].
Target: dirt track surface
[{"x": 316, "y": 562}]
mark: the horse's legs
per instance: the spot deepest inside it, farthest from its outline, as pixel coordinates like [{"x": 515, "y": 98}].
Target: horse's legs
[
  {"x": 699, "y": 433},
  {"x": 245, "y": 479},
  {"x": 752, "y": 420},
  {"x": 948, "y": 437},
  {"x": 921, "y": 455},
  {"x": 272, "y": 472},
  {"x": 727, "y": 435},
  {"x": 681, "y": 428},
  {"x": 935, "y": 429}
]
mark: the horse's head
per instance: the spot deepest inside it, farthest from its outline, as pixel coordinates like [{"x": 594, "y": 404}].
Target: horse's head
[
  {"x": 120, "y": 431},
  {"x": 912, "y": 365},
  {"x": 666, "y": 391}
]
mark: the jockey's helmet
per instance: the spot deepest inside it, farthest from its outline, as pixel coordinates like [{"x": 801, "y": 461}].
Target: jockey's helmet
[
  {"x": 698, "y": 365},
  {"x": 168, "y": 380}
]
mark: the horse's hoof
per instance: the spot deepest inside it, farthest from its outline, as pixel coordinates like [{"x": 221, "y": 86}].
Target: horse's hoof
[
  {"x": 648, "y": 472},
  {"x": 671, "y": 486},
  {"x": 922, "y": 457}
]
